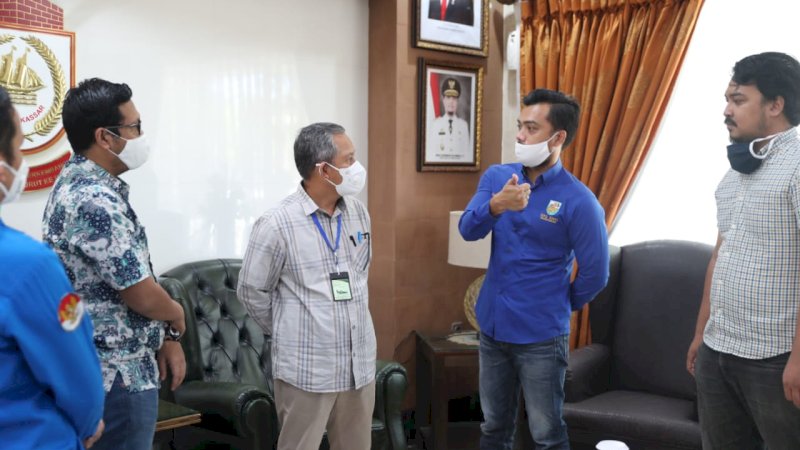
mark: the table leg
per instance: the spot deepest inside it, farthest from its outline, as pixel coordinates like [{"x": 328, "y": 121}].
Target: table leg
[
  {"x": 423, "y": 415},
  {"x": 439, "y": 407}
]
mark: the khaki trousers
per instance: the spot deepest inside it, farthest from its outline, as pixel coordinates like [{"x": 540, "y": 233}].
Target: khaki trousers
[{"x": 304, "y": 417}]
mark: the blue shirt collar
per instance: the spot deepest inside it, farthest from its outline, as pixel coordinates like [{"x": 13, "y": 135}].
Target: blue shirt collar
[{"x": 548, "y": 176}]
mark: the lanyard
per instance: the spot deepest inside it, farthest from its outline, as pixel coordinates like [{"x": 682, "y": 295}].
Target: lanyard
[{"x": 327, "y": 241}]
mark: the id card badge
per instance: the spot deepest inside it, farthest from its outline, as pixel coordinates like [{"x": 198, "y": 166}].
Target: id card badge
[{"x": 340, "y": 286}]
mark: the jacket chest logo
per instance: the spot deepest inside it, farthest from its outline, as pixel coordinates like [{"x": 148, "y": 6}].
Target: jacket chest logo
[{"x": 553, "y": 208}]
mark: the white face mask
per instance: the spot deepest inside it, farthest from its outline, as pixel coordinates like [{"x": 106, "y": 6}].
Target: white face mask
[
  {"x": 353, "y": 178},
  {"x": 531, "y": 155},
  {"x": 135, "y": 152},
  {"x": 11, "y": 194}
]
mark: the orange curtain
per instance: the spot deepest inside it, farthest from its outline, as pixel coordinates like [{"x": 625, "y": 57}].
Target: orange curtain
[{"x": 619, "y": 59}]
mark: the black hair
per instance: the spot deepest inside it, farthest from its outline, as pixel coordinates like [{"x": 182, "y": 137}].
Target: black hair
[
  {"x": 92, "y": 104},
  {"x": 7, "y": 127},
  {"x": 564, "y": 110},
  {"x": 314, "y": 144},
  {"x": 775, "y": 75}
]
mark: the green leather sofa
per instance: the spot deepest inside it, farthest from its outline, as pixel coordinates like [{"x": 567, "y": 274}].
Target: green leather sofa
[{"x": 228, "y": 373}]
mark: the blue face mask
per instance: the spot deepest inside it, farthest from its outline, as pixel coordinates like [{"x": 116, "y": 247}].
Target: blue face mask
[{"x": 744, "y": 159}]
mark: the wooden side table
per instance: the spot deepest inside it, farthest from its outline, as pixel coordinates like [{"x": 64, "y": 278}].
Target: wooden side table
[
  {"x": 170, "y": 417},
  {"x": 436, "y": 355}
]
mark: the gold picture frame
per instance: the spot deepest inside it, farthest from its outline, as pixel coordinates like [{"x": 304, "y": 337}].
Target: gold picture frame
[
  {"x": 449, "y": 112},
  {"x": 458, "y": 26}
]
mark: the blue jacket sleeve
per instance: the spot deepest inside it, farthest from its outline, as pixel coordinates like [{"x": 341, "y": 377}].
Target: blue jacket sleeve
[
  {"x": 587, "y": 231},
  {"x": 477, "y": 220},
  {"x": 64, "y": 362}
]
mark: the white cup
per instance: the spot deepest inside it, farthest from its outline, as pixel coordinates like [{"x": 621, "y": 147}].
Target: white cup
[{"x": 611, "y": 445}]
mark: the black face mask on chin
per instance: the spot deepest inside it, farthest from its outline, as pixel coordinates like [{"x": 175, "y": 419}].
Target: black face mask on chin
[
  {"x": 741, "y": 160},
  {"x": 742, "y": 157}
]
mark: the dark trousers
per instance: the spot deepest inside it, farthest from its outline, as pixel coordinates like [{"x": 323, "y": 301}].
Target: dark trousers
[
  {"x": 742, "y": 404},
  {"x": 539, "y": 369}
]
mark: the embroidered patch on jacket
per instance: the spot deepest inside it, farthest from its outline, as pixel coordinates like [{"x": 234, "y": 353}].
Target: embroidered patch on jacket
[
  {"x": 70, "y": 312},
  {"x": 553, "y": 208},
  {"x": 547, "y": 218}
]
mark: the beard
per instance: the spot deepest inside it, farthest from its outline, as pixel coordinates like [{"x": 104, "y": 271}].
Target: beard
[{"x": 746, "y": 138}]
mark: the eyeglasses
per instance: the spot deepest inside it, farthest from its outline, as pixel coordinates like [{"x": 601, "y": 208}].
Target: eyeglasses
[{"x": 137, "y": 125}]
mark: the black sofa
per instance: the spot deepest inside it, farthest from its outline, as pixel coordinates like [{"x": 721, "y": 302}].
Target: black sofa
[{"x": 631, "y": 383}]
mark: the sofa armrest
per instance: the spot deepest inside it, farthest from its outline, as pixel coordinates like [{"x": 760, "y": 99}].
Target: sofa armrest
[
  {"x": 248, "y": 409},
  {"x": 391, "y": 382},
  {"x": 588, "y": 372}
]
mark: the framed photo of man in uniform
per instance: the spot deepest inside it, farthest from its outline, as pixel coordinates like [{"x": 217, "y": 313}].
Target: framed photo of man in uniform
[
  {"x": 450, "y": 97},
  {"x": 458, "y": 26}
]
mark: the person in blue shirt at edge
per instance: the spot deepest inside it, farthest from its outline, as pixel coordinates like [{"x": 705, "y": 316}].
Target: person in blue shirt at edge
[
  {"x": 542, "y": 219},
  {"x": 51, "y": 390}
]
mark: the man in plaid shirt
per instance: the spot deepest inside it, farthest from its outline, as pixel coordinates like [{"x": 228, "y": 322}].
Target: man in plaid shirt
[
  {"x": 746, "y": 352},
  {"x": 304, "y": 281}
]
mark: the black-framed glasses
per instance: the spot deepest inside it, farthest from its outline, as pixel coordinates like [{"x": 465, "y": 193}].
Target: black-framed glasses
[{"x": 137, "y": 125}]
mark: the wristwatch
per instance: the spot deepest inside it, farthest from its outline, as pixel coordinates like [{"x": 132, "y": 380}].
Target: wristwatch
[{"x": 171, "y": 333}]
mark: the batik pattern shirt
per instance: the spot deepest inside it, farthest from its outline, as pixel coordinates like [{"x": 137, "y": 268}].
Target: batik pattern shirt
[{"x": 96, "y": 234}]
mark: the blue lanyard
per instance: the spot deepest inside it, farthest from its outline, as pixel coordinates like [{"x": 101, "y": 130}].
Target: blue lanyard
[{"x": 327, "y": 241}]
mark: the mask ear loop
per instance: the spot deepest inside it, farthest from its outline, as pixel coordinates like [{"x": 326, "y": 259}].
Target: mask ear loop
[
  {"x": 13, "y": 172},
  {"x": 550, "y": 150},
  {"x": 551, "y": 138},
  {"x": 113, "y": 136},
  {"x": 769, "y": 147},
  {"x": 10, "y": 170},
  {"x": 319, "y": 168}
]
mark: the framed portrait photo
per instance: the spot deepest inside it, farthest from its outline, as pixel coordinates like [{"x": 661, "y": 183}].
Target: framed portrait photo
[
  {"x": 450, "y": 97},
  {"x": 458, "y": 26}
]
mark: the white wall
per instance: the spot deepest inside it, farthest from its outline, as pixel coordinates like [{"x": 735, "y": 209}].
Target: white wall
[
  {"x": 223, "y": 88},
  {"x": 674, "y": 196}
]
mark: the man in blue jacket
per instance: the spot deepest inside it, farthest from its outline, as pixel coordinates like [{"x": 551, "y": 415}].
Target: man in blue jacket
[
  {"x": 51, "y": 391},
  {"x": 542, "y": 220}
]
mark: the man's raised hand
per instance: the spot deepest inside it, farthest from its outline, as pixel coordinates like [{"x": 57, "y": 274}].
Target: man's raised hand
[{"x": 513, "y": 197}]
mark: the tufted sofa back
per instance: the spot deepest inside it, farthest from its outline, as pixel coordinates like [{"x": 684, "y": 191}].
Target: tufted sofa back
[{"x": 222, "y": 343}]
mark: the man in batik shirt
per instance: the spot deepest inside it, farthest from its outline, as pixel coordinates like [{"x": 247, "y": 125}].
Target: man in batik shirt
[{"x": 93, "y": 229}]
